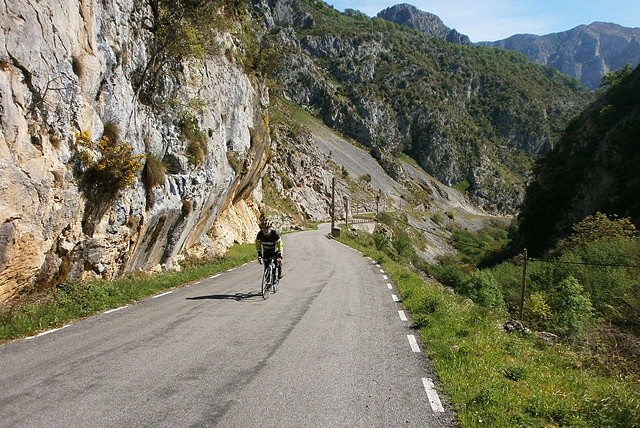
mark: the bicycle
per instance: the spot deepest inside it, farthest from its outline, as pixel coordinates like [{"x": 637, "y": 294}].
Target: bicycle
[{"x": 269, "y": 277}]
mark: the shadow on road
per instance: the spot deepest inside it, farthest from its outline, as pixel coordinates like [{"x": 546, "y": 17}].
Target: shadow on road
[{"x": 238, "y": 296}]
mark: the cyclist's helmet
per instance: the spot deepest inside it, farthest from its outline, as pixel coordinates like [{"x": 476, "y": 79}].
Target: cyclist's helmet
[{"x": 266, "y": 224}]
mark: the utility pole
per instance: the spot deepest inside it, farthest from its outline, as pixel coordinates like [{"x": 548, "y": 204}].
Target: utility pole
[
  {"x": 333, "y": 203},
  {"x": 524, "y": 283},
  {"x": 346, "y": 211},
  {"x": 335, "y": 232}
]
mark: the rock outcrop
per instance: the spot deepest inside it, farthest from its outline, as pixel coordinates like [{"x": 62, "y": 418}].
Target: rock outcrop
[
  {"x": 424, "y": 22},
  {"x": 71, "y": 68}
]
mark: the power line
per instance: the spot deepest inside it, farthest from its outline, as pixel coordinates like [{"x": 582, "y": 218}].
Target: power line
[{"x": 586, "y": 264}]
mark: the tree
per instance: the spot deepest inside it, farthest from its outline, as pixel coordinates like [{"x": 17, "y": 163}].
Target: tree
[{"x": 615, "y": 77}]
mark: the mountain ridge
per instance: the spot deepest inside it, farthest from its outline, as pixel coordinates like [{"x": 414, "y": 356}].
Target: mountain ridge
[{"x": 586, "y": 52}]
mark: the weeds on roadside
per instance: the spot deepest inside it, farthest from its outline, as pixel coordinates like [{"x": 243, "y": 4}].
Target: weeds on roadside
[{"x": 492, "y": 378}]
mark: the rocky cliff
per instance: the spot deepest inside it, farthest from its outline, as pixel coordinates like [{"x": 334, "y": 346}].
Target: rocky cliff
[
  {"x": 79, "y": 118},
  {"x": 586, "y": 52},
  {"x": 424, "y": 22}
]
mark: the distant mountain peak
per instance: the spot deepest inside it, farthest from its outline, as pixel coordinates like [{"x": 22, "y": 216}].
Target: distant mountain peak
[
  {"x": 424, "y": 22},
  {"x": 586, "y": 52}
]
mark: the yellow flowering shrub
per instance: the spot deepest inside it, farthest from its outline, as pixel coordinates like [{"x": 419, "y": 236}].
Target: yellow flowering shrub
[{"x": 115, "y": 169}]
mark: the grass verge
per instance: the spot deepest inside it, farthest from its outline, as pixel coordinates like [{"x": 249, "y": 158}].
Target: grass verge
[
  {"x": 496, "y": 379},
  {"x": 72, "y": 301}
]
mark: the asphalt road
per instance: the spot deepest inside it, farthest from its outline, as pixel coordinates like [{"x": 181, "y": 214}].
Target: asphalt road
[{"x": 330, "y": 349}]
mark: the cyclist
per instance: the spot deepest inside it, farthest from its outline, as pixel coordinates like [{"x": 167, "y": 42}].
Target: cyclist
[{"x": 269, "y": 244}]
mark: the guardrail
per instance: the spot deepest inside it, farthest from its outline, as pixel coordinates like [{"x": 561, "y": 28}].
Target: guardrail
[{"x": 362, "y": 220}]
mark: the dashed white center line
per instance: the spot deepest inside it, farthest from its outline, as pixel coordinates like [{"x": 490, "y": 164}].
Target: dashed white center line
[
  {"x": 395, "y": 298},
  {"x": 432, "y": 395},
  {"x": 413, "y": 342},
  {"x": 403, "y": 317}
]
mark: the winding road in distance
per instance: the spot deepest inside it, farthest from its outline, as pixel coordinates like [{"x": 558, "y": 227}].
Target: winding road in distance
[{"x": 331, "y": 349}]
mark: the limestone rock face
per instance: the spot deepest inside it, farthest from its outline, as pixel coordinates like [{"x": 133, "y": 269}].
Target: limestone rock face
[{"x": 70, "y": 67}]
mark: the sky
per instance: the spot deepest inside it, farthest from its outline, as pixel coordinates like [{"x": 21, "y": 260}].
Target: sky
[{"x": 490, "y": 20}]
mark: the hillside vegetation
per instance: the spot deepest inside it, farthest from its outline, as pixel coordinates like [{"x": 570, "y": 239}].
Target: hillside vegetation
[
  {"x": 470, "y": 116},
  {"x": 593, "y": 168},
  {"x": 494, "y": 371}
]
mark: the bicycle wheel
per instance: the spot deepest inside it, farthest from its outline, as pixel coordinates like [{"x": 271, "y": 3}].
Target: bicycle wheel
[
  {"x": 266, "y": 283},
  {"x": 274, "y": 275}
]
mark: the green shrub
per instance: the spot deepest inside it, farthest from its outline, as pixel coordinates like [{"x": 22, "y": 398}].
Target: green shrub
[
  {"x": 509, "y": 277},
  {"x": 537, "y": 312},
  {"x": 195, "y": 138},
  {"x": 482, "y": 288},
  {"x": 438, "y": 218},
  {"x": 403, "y": 246},
  {"x": 604, "y": 269},
  {"x": 571, "y": 308},
  {"x": 597, "y": 227},
  {"x": 449, "y": 274},
  {"x": 383, "y": 243}
]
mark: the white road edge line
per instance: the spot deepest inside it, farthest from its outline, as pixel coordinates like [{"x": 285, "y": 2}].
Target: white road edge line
[
  {"x": 163, "y": 294},
  {"x": 432, "y": 395},
  {"x": 381, "y": 270},
  {"x": 110, "y": 311},
  {"x": 385, "y": 277},
  {"x": 403, "y": 317},
  {"x": 215, "y": 276},
  {"x": 395, "y": 298},
  {"x": 44, "y": 333},
  {"x": 389, "y": 286},
  {"x": 413, "y": 342}
]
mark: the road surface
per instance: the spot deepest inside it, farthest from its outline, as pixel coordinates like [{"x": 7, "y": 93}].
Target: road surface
[{"x": 330, "y": 349}]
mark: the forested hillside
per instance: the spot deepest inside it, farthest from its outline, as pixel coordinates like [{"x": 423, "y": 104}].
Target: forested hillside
[{"x": 593, "y": 168}]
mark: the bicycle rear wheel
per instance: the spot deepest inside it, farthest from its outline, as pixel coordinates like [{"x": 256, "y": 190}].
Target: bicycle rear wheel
[{"x": 266, "y": 283}]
